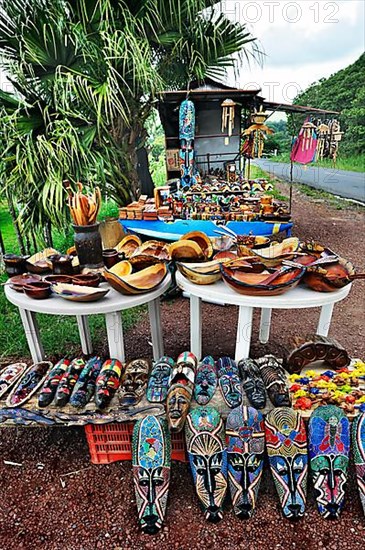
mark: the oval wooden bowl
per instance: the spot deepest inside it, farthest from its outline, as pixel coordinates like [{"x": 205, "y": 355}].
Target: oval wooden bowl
[
  {"x": 155, "y": 249},
  {"x": 202, "y": 240},
  {"x": 254, "y": 284},
  {"x": 328, "y": 278},
  {"x": 128, "y": 245},
  {"x": 141, "y": 282},
  {"x": 201, "y": 274}
]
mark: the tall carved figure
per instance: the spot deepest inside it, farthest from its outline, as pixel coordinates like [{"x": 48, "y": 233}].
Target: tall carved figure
[
  {"x": 358, "y": 447},
  {"x": 245, "y": 433},
  {"x": 181, "y": 390},
  {"x": 329, "y": 446},
  {"x": 286, "y": 442},
  {"x": 204, "y": 432},
  {"x": 151, "y": 448}
]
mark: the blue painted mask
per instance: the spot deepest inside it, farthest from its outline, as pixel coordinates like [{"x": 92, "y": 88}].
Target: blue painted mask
[
  {"x": 245, "y": 447},
  {"x": 151, "y": 471},
  {"x": 205, "y": 381},
  {"x": 158, "y": 383},
  {"x": 229, "y": 382}
]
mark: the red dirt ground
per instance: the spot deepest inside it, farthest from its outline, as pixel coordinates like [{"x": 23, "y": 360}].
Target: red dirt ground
[{"x": 96, "y": 508}]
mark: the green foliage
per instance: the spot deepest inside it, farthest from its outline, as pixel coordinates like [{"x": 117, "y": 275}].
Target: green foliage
[
  {"x": 86, "y": 74},
  {"x": 344, "y": 91},
  {"x": 109, "y": 209},
  {"x": 280, "y": 140}
]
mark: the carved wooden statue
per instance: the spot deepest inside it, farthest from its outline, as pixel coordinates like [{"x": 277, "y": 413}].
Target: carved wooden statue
[
  {"x": 205, "y": 442},
  {"x": 329, "y": 447},
  {"x": 286, "y": 443},
  {"x": 245, "y": 448},
  {"x": 151, "y": 447}
]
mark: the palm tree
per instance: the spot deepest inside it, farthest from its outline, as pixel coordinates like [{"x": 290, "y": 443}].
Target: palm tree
[{"x": 85, "y": 76}]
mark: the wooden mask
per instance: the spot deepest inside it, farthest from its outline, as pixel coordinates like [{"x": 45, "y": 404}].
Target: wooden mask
[
  {"x": 204, "y": 432},
  {"x": 329, "y": 447},
  {"x": 245, "y": 448},
  {"x": 206, "y": 381},
  {"x": 286, "y": 443},
  {"x": 229, "y": 381},
  {"x": 134, "y": 382},
  {"x": 151, "y": 471}
]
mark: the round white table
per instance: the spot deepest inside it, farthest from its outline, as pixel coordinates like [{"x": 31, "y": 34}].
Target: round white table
[
  {"x": 111, "y": 306},
  {"x": 297, "y": 298}
]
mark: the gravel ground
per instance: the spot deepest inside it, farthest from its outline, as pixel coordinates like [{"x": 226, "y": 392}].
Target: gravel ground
[{"x": 96, "y": 507}]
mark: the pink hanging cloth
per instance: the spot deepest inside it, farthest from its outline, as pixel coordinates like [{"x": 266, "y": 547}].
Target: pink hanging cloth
[{"x": 304, "y": 149}]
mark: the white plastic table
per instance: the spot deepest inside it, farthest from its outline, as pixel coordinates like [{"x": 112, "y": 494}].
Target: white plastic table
[
  {"x": 297, "y": 298},
  {"x": 111, "y": 306}
]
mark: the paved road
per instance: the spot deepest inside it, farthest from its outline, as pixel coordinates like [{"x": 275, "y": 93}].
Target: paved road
[{"x": 350, "y": 185}]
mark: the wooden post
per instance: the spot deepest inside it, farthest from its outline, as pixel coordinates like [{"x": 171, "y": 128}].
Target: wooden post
[{"x": 291, "y": 185}]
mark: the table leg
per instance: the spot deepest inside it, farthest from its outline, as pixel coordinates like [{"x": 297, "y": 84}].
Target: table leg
[
  {"x": 84, "y": 331},
  {"x": 325, "y": 319},
  {"x": 32, "y": 334},
  {"x": 265, "y": 325},
  {"x": 196, "y": 326},
  {"x": 154, "y": 311},
  {"x": 244, "y": 330},
  {"x": 114, "y": 331}
]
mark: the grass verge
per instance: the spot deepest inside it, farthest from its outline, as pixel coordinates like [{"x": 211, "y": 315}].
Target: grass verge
[
  {"x": 59, "y": 334},
  {"x": 354, "y": 163}
]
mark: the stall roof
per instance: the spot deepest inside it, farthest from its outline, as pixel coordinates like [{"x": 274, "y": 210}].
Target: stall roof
[
  {"x": 303, "y": 109},
  {"x": 210, "y": 94}
]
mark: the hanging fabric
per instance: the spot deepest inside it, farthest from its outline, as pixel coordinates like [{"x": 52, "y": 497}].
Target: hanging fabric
[{"x": 304, "y": 149}]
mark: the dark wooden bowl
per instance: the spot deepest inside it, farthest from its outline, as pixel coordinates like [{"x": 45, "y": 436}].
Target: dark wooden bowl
[
  {"x": 14, "y": 265},
  {"x": 38, "y": 291},
  {"x": 235, "y": 279},
  {"x": 17, "y": 283},
  {"x": 88, "y": 279},
  {"x": 53, "y": 279},
  {"x": 39, "y": 268}
]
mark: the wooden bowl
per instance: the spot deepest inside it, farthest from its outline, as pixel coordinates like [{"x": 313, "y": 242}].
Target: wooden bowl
[
  {"x": 201, "y": 274},
  {"x": 54, "y": 279},
  {"x": 254, "y": 284},
  {"x": 78, "y": 293},
  {"x": 17, "y": 283},
  {"x": 38, "y": 290},
  {"x": 88, "y": 279},
  {"x": 14, "y": 264},
  {"x": 141, "y": 282}
]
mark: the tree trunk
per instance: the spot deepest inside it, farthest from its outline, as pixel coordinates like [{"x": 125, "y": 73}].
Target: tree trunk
[{"x": 15, "y": 224}]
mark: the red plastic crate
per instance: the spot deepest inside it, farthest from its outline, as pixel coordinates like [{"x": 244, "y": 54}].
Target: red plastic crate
[{"x": 112, "y": 442}]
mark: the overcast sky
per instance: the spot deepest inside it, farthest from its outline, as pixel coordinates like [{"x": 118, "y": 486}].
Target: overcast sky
[{"x": 303, "y": 41}]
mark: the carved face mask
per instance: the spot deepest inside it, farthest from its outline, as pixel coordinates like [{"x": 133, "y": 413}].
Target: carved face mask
[
  {"x": 252, "y": 383},
  {"x": 286, "y": 443},
  {"x": 358, "y": 439},
  {"x": 245, "y": 447},
  {"x": 158, "y": 383},
  {"x": 329, "y": 445},
  {"x": 151, "y": 471},
  {"x": 181, "y": 390},
  {"x": 274, "y": 379},
  {"x": 204, "y": 432},
  {"x": 229, "y": 382},
  {"x": 107, "y": 382},
  {"x": 134, "y": 382},
  {"x": 206, "y": 381}
]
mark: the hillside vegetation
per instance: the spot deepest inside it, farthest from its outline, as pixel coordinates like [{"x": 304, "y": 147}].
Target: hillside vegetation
[{"x": 343, "y": 91}]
